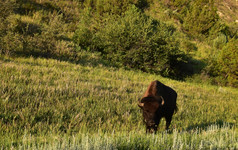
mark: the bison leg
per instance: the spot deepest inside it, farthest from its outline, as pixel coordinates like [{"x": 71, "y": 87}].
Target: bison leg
[
  {"x": 152, "y": 129},
  {"x": 168, "y": 121}
]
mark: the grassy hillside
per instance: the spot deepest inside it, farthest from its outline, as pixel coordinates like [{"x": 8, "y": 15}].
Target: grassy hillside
[
  {"x": 71, "y": 73},
  {"x": 47, "y": 103}
]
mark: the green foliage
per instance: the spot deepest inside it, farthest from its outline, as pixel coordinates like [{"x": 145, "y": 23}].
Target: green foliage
[
  {"x": 150, "y": 37},
  {"x": 113, "y": 6},
  {"x": 84, "y": 34},
  {"x": 197, "y": 17},
  {"x": 26, "y": 37},
  {"x": 6, "y": 9},
  {"x": 42, "y": 33},
  {"x": 220, "y": 29},
  {"x": 228, "y": 62},
  {"x": 220, "y": 41},
  {"x": 224, "y": 65},
  {"x": 108, "y": 6},
  {"x": 200, "y": 18},
  {"x": 10, "y": 40},
  {"x": 179, "y": 5},
  {"x": 188, "y": 46},
  {"x": 134, "y": 40}
]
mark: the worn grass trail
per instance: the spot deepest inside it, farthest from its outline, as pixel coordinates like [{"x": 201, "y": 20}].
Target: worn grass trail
[{"x": 45, "y": 99}]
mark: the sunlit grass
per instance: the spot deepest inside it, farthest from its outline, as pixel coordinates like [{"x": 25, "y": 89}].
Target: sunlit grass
[
  {"x": 48, "y": 104},
  {"x": 213, "y": 137}
]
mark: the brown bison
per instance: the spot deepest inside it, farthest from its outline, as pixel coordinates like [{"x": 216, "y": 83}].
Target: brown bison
[{"x": 158, "y": 101}]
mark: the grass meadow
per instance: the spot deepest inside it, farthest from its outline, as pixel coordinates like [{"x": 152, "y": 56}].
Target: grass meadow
[{"x": 89, "y": 104}]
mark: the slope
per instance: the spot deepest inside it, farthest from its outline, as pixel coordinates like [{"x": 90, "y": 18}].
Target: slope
[{"x": 44, "y": 99}]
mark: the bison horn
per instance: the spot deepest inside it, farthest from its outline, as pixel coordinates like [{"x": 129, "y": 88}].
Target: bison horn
[
  {"x": 162, "y": 103},
  {"x": 141, "y": 104}
]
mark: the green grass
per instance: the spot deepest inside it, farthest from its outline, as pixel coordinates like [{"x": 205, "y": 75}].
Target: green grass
[
  {"x": 52, "y": 104},
  {"x": 214, "y": 136}
]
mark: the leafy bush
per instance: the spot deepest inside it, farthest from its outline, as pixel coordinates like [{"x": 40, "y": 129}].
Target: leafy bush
[
  {"x": 32, "y": 36},
  {"x": 10, "y": 39},
  {"x": 113, "y": 7},
  {"x": 134, "y": 40},
  {"x": 228, "y": 62},
  {"x": 200, "y": 18},
  {"x": 6, "y": 9},
  {"x": 188, "y": 46},
  {"x": 225, "y": 65},
  {"x": 219, "y": 29},
  {"x": 35, "y": 28},
  {"x": 220, "y": 41}
]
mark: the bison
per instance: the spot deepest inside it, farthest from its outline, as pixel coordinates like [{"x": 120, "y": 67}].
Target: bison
[{"x": 158, "y": 101}]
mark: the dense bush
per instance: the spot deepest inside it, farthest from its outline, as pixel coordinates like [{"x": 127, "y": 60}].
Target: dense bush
[
  {"x": 134, "y": 40},
  {"x": 219, "y": 41},
  {"x": 41, "y": 33},
  {"x": 224, "y": 66},
  {"x": 113, "y": 7},
  {"x": 6, "y": 9},
  {"x": 187, "y": 46},
  {"x": 26, "y": 37},
  {"x": 200, "y": 18},
  {"x": 228, "y": 62}
]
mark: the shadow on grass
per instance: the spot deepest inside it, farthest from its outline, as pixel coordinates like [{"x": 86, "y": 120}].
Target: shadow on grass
[
  {"x": 84, "y": 58},
  {"x": 4, "y": 59},
  {"x": 95, "y": 59},
  {"x": 92, "y": 59},
  {"x": 25, "y": 7}
]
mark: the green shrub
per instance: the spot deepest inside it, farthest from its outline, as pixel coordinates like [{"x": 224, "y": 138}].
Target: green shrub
[
  {"x": 179, "y": 6},
  {"x": 10, "y": 40},
  {"x": 113, "y": 7},
  {"x": 32, "y": 28},
  {"x": 200, "y": 18},
  {"x": 228, "y": 62},
  {"x": 219, "y": 29},
  {"x": 10, "y": 43},
  {"x": 32, "y": 36},
  {"x": 224, "y": 65},
  {"x": 84, "y": 34},
  {"x": 188, "y": 46},
  {"x": 220, "y": 41},
  {"x": 6, "y": 9},
  {"x": 134, "y": 40}
]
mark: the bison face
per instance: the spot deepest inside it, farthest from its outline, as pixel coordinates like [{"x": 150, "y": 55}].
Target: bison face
[
  {"x": 149, "y": 106},
  {"x": 149, "y": 119}
]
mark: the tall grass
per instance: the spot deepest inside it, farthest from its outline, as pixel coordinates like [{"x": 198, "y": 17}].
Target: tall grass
[
  {"x": 213, "y": 137},
  {"x": 47, "y": 103}
]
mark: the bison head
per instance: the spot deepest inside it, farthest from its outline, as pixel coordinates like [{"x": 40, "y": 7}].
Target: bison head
[{"x": 150, "y": 106}]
